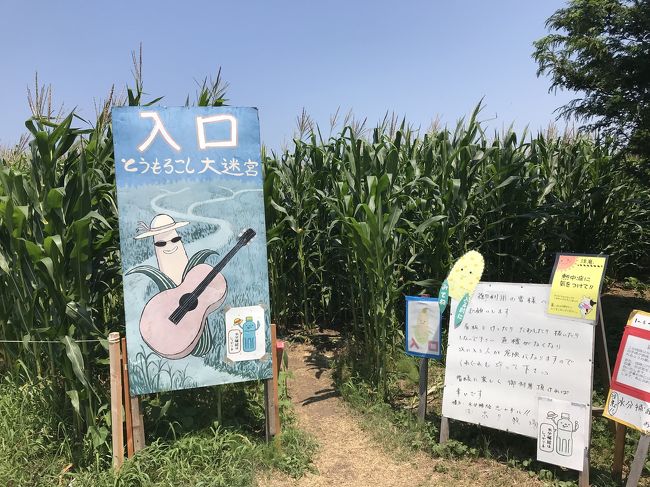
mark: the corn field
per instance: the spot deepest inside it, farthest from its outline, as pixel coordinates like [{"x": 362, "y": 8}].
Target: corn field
[{"x": 354, "y": 223}]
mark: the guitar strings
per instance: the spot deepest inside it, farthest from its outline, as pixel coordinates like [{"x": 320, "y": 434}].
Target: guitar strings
[{"x": 182, "y": 309}]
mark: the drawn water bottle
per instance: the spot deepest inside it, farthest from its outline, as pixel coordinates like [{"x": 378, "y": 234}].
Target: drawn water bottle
[
  {"x": 564, "y": 435},
  {"x": 547, "y": 434},
  {"x": 249, "y": 328}
]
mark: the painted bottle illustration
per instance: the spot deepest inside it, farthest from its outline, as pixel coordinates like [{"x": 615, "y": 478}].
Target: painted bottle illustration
[
  {"x": 249, "y": 328},
  {"x": 564, "y": 435}
]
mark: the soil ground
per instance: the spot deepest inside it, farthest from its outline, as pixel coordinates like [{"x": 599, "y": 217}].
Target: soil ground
[{"x": 348, "y": 456}]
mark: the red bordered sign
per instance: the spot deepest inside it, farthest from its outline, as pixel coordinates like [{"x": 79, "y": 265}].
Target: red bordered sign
[{"x": 622, "y": 384}]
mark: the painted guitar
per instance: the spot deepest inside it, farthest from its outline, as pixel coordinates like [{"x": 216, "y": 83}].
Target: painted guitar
[{"x": 172, "y": 321}]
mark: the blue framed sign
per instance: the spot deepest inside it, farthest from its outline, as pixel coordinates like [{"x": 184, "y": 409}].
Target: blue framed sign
[
  {"x": 193, "y": 244},
  {"x": 423, "y": 331}
]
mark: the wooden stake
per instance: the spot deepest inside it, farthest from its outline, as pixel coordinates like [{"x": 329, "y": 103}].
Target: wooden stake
[
  {"x": 583, "y": 477},
  {"x": 127, "y": 401},
  {"x": 138, "y": 424},
  {"x": 424, "y": 380},
  {"x": 619, "y": 451},
  {"x": 444, "y": 430},
  {"x": 116, "y": 399},
  {"x": 271, "y": 402},
  {"x": 602, "y": 353},
  {"x": 639, "y": 461}
]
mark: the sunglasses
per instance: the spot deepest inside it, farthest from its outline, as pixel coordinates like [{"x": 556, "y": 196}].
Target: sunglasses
[{"x": 162, "y": 243}]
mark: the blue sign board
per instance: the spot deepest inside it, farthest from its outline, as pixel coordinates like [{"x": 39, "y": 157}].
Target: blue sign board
[
  {"x": 423, "y": 331},
  {"x": 193, "y": 245}
]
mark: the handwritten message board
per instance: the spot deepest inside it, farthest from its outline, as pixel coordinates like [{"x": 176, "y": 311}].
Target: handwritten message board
[
  {"x": 508, "y": 352},
  {"x": 575, "y": 285},
  {"x": 628, "y": 401},
  {"x": 423, "y": 332},
  {"x": 192, "y": 236}
]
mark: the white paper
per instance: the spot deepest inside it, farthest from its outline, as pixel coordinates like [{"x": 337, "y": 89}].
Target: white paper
[
  {"x": 641, "y": 320},
  {"x": 629, "y": 410},
  {"x": 245, "y": 333},
  {"x": 508, "y": 352},
  {"x": 634, "y": 369},
  {"x": 563, "y": 432}
]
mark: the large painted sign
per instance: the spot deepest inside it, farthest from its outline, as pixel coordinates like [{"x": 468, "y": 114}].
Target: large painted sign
[
  {"x": 192, "y": 236},
  {"x": 628, "y": 401},
  {"x": 508, "y": 352}
]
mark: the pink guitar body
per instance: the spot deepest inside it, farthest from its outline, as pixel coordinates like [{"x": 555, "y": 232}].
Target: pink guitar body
[{"x": 176, "y": 341}]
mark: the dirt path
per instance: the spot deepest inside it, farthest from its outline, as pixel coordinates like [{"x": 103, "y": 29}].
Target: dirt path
[{"x": 348, "y": 456}]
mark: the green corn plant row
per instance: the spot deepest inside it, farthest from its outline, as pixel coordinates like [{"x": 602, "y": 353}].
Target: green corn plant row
[
  {"x": 60, "y": 272},
  {"x": 356, "y": 223}
]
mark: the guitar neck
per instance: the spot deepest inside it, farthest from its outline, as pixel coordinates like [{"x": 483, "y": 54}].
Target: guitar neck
[{"x": 217, "y": 269}]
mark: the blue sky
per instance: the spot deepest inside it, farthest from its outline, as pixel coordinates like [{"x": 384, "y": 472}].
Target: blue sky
[{"x": 421, "y": 59}]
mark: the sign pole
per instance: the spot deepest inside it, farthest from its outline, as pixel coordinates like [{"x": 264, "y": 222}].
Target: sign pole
[
  {"x": 116, "y": 399},
  {"x": 619, "y": 451},
  {"x": 127, "y": 401},
  {"x": 137, "y": 420},
  {"x": 639, "y": 461},
  {"x": 444, "y": 421},
  {"x": 583, "y": 477},
  {"x": 271, "y": 403},
  {"x": 424, "y": 381}
]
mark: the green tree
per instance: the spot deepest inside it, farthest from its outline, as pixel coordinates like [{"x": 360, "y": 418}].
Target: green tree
[{"x": 601, "y": 49}]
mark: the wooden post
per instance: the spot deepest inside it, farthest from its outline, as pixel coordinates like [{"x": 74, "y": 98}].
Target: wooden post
[
  {"x": 639, "y": 461},
  {"x": 424, "y": 382},
  {"x": 138, "y": 424},
  {"x": 444, "y": 430},
  {"x": 602, "y": 353},
  {"x": 127, "y": 401},
  {"x": 619, "y": 451},
  {"x": 444, "y": 421},
  {"x": 116, "y": 399},
  {"x": 583, "y": 477},
  {"x": 599, "y": 347},
  {"x": 271, "y": 402}
]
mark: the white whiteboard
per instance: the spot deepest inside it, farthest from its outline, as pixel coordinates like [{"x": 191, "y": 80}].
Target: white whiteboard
[{"x": 507, "y": 352}]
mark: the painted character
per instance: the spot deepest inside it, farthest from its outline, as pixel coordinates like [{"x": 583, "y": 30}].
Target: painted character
[
  {"x": 249, "y": 328},
  {"x": 585, "y": 306},
  {"x": 168, "y": 245},
  {"x": 422, "y": 328},
  {"x": 461, "y": 282}
]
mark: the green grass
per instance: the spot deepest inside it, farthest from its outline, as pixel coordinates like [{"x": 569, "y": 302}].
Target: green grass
[
  {"x": 33, "y": 445},
  {"x": 393, "y": 424},
  {"x": 187, "y": 446},
  {"x": 396, "y": 428}
]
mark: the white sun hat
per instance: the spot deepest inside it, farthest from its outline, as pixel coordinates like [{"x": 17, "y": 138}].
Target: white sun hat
[{"x": 160, "y": 224}]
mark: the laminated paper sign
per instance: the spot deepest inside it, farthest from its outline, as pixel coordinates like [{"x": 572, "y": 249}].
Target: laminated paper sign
[
  {"x": 575, "y": 285},
  {"x": 563, "y": 432},
  {"x": 508, "y": 352},
  {"x": 423, "y": 332},
  {"x": 192, "y": 236},
  {"x": 628, "y": 401}
]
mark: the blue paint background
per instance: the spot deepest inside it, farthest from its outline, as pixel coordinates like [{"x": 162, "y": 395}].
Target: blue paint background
[{"x": 228, "y": 205}]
